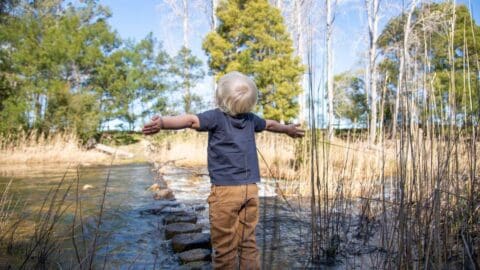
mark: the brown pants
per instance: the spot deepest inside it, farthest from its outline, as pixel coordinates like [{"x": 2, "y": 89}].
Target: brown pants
[{"x": 233, "y": 218}]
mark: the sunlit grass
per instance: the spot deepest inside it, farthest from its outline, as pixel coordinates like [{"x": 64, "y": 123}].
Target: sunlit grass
[{"x": 35, "y": 147}]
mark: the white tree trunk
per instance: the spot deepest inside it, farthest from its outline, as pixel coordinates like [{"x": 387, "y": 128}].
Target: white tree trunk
[
  {"x": 372, "y": 7},
  {"x": 279, "y": 4},
  {"x": 183, "y": 13},
  {"x": 185, "y": 23},
  {"x": 329, "y": 8},
  {"x": 213, "y": 25},
  {"x": 403, "y": 59},
  {"x": 300, "y": 49},
  {"x": 187, "y": 96}
]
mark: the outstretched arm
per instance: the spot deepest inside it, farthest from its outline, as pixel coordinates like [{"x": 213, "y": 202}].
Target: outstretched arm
[
  {"x": 171, "y": 122},
  {"x": 291, "y": 130}
]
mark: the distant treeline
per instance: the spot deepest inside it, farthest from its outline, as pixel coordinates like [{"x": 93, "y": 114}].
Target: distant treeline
[{"x": 427, "y": 71}]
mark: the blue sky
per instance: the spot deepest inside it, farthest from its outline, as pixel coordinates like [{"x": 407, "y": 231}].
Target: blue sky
[{"x": 134, "y": 19}]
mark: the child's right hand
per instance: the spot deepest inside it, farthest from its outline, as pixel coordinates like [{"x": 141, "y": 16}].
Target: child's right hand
[
  {"x": 294, "y": 131},
  {"x": 154, "y": 126}
]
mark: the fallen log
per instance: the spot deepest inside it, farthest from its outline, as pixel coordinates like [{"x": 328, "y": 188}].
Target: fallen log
[{"x": 111, "y": 151}]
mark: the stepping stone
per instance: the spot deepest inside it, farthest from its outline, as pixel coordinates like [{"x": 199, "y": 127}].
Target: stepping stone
[
  {"x": 175, "y": 218},
  {"x": 181, "y": 227},
  {"x": 152, "y": 211},
  {"x": 199, "y": 208},
  {"x": 154, "y": 187},
  {"x": 193, "y": 255},
  {"x": 183, "y": 242},
  {"x": 171, "y": 203},
  {"x": 164, "y": 207},
  {"x": 199, "y": 265},
  {"x": 174, "y": 210},
  {"x": 164, "y": 194}
]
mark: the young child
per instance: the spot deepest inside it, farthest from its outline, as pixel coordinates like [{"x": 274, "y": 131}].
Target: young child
[{"x": 232, "y": 166}]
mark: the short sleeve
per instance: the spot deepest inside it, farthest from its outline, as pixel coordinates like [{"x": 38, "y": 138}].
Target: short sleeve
[
  {"x": 207, "y": 120},
  {"x": 259, "y": 123}
]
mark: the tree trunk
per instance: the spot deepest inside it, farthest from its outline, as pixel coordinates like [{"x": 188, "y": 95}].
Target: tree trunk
[
  {"x": 213, "y": 26},
  {"x": 401, "y": 73},
  {"x": 299, "y": 42},
  {"x": 371, "y": 7},
  {"x": 330, "y": 19},
  {"x": 187, "y": 96}
]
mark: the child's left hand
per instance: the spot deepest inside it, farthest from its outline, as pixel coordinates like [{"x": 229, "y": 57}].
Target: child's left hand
[{"x": 154, "y": 126}]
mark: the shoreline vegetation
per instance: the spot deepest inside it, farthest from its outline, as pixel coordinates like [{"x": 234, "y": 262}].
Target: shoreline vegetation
[
  {"x": 37, "y": 148},
  {"x": 284, "y": 158},
  {"x": 279, "y": 157},
  {"x": 355, "y": 162},
  {"x": 361, "y": 184}
]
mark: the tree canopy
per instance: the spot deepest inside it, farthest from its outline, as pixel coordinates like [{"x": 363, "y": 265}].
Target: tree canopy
[
  {"x": 444, "y": 53},
  {"x": 62, "y": 67},
  {"x": 251, "y": 38}
]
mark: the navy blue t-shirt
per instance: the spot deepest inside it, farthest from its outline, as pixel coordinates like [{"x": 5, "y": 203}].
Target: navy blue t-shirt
[{"x": 232, "y": 154}]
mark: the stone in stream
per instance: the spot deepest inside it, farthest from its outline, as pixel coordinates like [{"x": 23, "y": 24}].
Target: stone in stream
[
  {"x": 171, "y": 203},
  {"x": 193, "y": 255},
  {"x": 180, "y": 228},
  {"x": 87, "y": 187},
  {"x": 157, "y": 187},
  {"x": 199, "y": 208},
  {"x": 199, "y": 265},
  {"x": 152, "y": 211},
  {"x": 163, "y": 207},
  {"x": 179, "y": 217},
  {"x": 183, "y": 242},
  {"x": 164, "y": 194},
  {"x": 174, "y": 210}
]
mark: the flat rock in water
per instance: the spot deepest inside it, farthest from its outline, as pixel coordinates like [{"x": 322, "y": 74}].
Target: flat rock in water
[
  {"x": 170, "y": 203},
  {"x": 175, "y": 218},
  {"x": 199, "y": 208},
  {"x": 183, "y": 242},
  {"x": 174, "y": 210},
  {"x": 181, "y": 227},
  {"x": 157, "y": 187},
  {"x": 152, "y": 211},
  {"x": 163, "y": 194},
  {"x": 163, "y": 208},
  {"x": 193, "y": 255},
  {"x": 199, "y": 265}
]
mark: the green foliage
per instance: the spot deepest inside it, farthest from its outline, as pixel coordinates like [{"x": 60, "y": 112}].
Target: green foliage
[
  {"x": 432, "y": 27},
  {"x": 63, "y": 68},
  {"x": 187, "y": 71},
  {"x": 350, "y": 100},
  {"x": 251, "y": 38}
]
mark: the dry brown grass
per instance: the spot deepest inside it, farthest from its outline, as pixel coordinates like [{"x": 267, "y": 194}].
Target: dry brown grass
[
  {"x": 354, "y": 163},
  {"x": 37, "y": 148}
]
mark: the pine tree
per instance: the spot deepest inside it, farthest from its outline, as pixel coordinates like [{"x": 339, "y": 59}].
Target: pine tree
[{"x": 251, "y": 38}]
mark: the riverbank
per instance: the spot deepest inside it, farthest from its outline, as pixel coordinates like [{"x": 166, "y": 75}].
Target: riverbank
[
  {"x": 352, "y": 162},
  {"x": 67, "y": 148}
]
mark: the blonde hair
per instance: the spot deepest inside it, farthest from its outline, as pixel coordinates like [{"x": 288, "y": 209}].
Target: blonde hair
[{"x": 236, "y": 93}]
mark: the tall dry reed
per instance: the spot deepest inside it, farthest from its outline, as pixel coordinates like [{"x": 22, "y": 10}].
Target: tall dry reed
[{"x": 34, "y": 147}]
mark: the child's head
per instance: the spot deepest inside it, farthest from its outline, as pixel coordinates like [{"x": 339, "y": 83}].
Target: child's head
[{"x": 236, "y": 93}]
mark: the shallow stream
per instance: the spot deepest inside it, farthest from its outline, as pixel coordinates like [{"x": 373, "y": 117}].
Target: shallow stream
[{"x": 129, "y": 239}]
